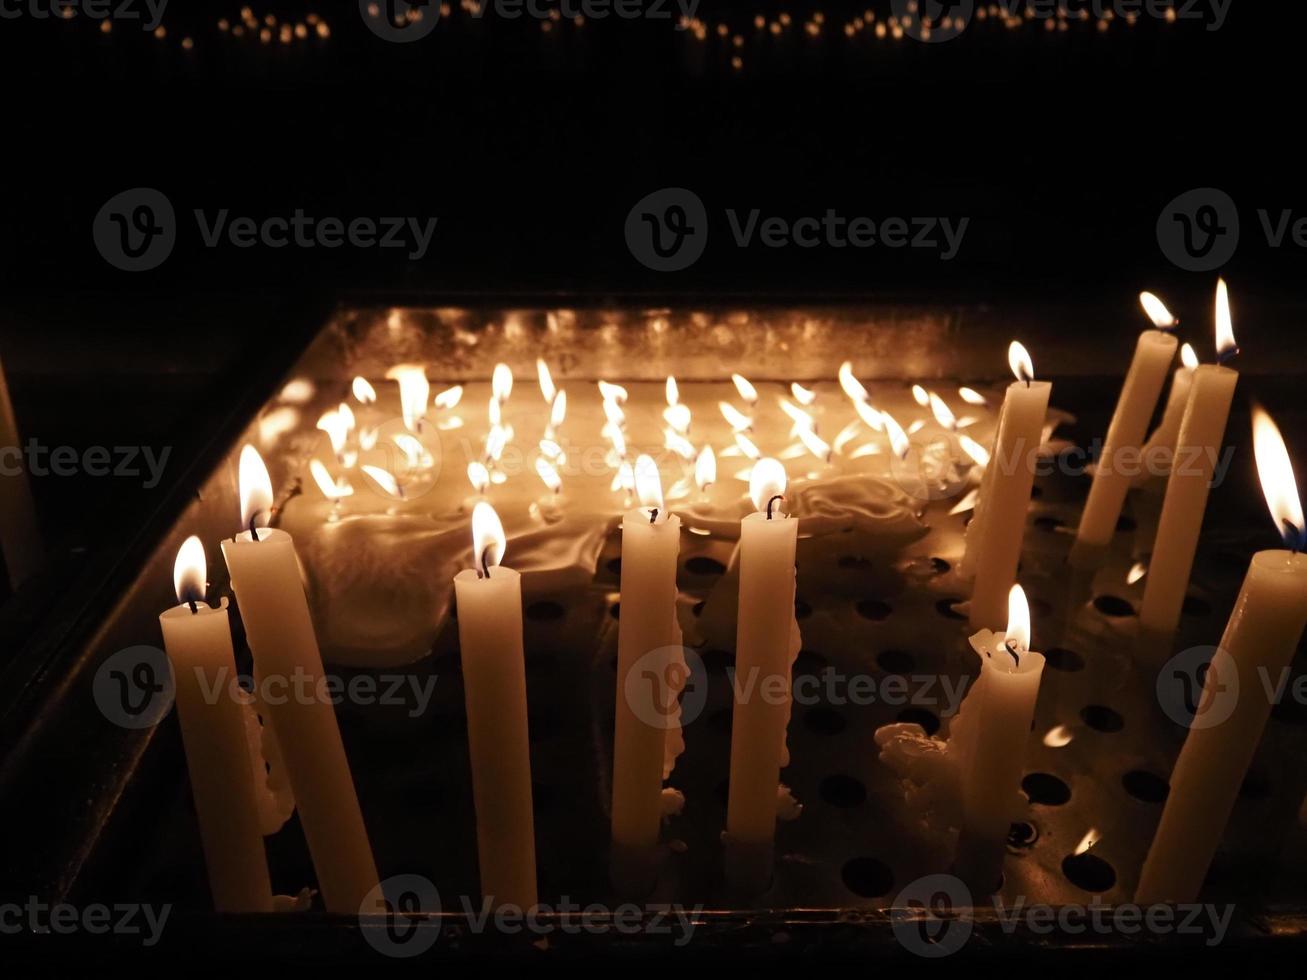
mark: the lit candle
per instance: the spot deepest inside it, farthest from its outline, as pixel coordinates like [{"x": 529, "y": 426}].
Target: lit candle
[
  {"x": 1159, "y": 450},
  {"x": 1125, "y": 435},
  {"x": 1201, "y": 434},
  {"x": 991, "y": 782},
  {"x": 648, "y": 640},
  {"x": 994, "y": 546},
  {"x": 198, "y": 641},
  {"x": 265, "y": 575},
  {"x": 765, "y": 648},
  {"x": 1259, "y": 642},
  {"x": 494, "y": 681}
]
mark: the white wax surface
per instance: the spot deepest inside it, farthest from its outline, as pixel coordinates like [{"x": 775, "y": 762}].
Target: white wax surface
[
  {"x": 265, "y": 576},
  {"x": 1259, "y": 642},
  {"x": 217, "y": 756},
  {"x": 1143, "y": 385},
  {"x": 494, "y": 679},
  {"x": 1202, "y": 434}
]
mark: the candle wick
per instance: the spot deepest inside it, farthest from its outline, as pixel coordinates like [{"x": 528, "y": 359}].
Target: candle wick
[
  {"x": 254, "y": 531},
  {"x": 1294, "y": 536},
  {"x": 1011, "y": 648},
  {"x": 485, "y": 561},
  {"x": 1227, "y": 354},
  {"x": 653, "y": 515},
  {"x": 779, "y": 496},
  {"x": 191, "y": 603}
]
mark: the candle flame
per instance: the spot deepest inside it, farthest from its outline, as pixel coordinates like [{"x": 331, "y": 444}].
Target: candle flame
[
  {"x": 746, "y": 446},
  {"x": 611, "y": 392},
  {"x": 1157, "y": 312},
  {"x": 624, "y": 478},
  {"x": 818, "y": 446},
  {"x": 495, "y": 441},
  {"x": 332, "y": 489},
  {"x": 1226, "y": 347},
  {"x": 966, "y": 503},
  {"x": 800, "y": 418},
  {"x": 548, "y": 474},
  {"x": 678, "y": 417},
  {"x": 189, "y": 571},
  {"x": 852, "y": 387},
  {"x": 898, "y": 439},
  {"x": 1058, "y": 737},
  {"x": 495, "y": 412},
  {"x": 1018, "y": 358},
  {"x": 943, "y": 414},
  {"x": 613, "y": 413},
  {"x": 488, "y": 540},
  {"x": 1137, "y": 571},
  {"x": 648, "y": 483},
  {"x": 559, "y": 410},
  {"x": 478, "y": 476},
  {"x": 873, "y": 418},
  {"x": 747, "y": 391},
  {"x": 449, "y": 397},
  {"x": 802, "y": 395},
  {"x": 1089, "y": 840},
  {"x": 547, "y": 389},
  {"x": 1280, "y": 487},
  {"x": 255, "y": 489},
  {"x": 765, "y": 482},
  {"x": 678, "y": 444},
  {"x": 414, "y": 452},
  {"x": 1017, "y": 636},
  {"x": 972, "y": 397},
  {"x": 414, "y": 389},
  {"x": 978, "y": 453},
  {"x": 501, "y": 382},
  {"x": 705, "y": 468},
  {"x": 553, "y": 451},
  {"x": 363, "y": 391},
  {"x": 386, "y": 480},
  {"x": 920, "y": 396},
  {"x": 673, "y": 391},
  {"x": 738, "y": 421},
  {"x": 334, "y": 425},
  {"x": 1188, "y": 356}
]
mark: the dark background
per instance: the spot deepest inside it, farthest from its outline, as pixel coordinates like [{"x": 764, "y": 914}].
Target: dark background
[{"x": 1061, "y": 147}]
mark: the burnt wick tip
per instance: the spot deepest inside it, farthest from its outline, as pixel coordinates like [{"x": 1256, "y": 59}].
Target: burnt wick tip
[
  {"x": 779, "y": 496},
  {"x": 653, "y": 515}
]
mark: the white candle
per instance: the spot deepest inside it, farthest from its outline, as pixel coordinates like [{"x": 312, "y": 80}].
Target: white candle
[
  {"x": 1159, "y": 450},
  {"x": 764, "y": 652},
  {"x": 1199, "y": 442},
  {"x": 647, "y": 643},
  {"x": 1125, "y": 435},
  {"x": 994, "y": 549},
  {"x": 991, "y": 784},
  {"x": 494, "y": 681},
  {"x": 1259, "y": 642},
  {"x": 265, "y": 575},
  {"x": 198, "y": 641},
  {"x": 20, "y": 538}
]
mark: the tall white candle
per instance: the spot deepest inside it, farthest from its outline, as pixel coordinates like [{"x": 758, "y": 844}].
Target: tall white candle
[
  {"x": 265, "y": 575},
  {"x": 494, "y": 680},
  {"x": 1199, "y": 443},
  {"x": 764, "y": 652},
  {"x": 1259, "y": 642},
  {"x": 1159, "y": 450},
  {"x": 995, "y": 548},
  {"x": 991, "y": 783},
  {"x": 198, "y": 641},
  {"x": 1125, "y": 435},
  {"x": 648, "y": 642}
]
